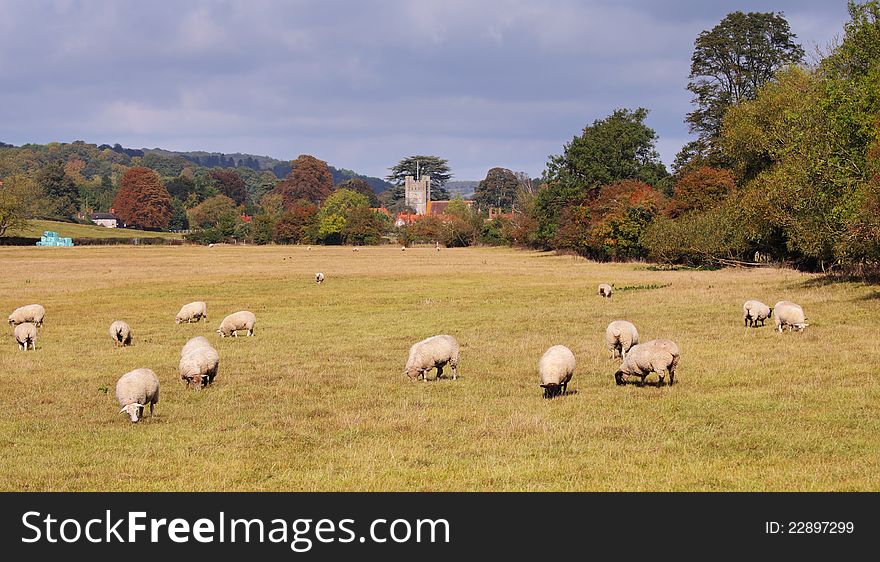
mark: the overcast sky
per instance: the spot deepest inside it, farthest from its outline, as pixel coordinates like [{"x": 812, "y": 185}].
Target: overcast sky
[{"x": 360, "y": 84}]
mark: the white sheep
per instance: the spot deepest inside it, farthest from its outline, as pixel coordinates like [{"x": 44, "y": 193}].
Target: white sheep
[
  {"x": 789, "y": 315},
  {"x": 198, "y": 362},
  {"x": 656, "y": 356},
  {"x": 192, "y": 312},
  {"x": 606, "y": 290},
  {"x": 556, "y": 368},
  {"x": 754, "y": 312},
  {"x": 319, "y": 278},
  {"x": 26, "y": 335},
  {"x": 32, "y": 313},
  {"x": 355, "y": 249},
  {"x": 241, "y": 320},
  {"x": 121, "y": 333},
  {"x": 136, "y": 389},
  {"x": 403, "y": 248},
  {"x": 620, "y": 336},
  {"x": 436, "y": 351}
]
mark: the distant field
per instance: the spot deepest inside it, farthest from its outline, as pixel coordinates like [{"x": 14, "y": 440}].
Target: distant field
[
  {"x": 73, "y": 230},
  {"x": 317, "y": 401}
]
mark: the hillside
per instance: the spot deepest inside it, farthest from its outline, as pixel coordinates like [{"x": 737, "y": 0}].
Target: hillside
[{"x": 36, "y": 228}]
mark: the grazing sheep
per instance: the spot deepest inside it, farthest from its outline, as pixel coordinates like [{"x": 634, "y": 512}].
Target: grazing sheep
[
  {"x": 198, "y": 363},
  {"x": 606, "y": 290},
  {"x": 25, "y": 334},
  {"x": 121, "y": 333},
  {"x": 656, "y": 356},
  {"x": 136, "y": 389},
  {"x": 432, "y": 352},
  {"x": 620, "y": 336},
  {"x": 556, "y": 368},
  {"x": 789, "y": 315},
  {"x": 32, "y": 313},
  {"x": 437, "y": 246},
  {"x": 309, "y": 248},
  {"x": 241, "y": 320},
  {"x": 319, "y": 278},
  {"x": 192, "y": 312},
  {"x": 755, "y": 311},
  {"x": 355, "y": 249},
  {"x": 403, "y": 248}
]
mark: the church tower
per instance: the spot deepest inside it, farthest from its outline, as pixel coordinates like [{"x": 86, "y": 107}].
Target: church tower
[{"x": 417, "y": 194}]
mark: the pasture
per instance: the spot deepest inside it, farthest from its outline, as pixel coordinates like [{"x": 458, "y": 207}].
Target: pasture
[{"x": 317, "y": 400}]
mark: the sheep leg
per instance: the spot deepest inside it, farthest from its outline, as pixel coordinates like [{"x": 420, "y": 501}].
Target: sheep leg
[
  {"x": 439, "y": 371},
  {"x": 661, "y": 376},
  {"x": 564, "y": 388},
  {"x": 454, "y": 371},
  {"x": 671, "y": 376},
  {"x": 250, "y": 332},
  {"x": 151, "y": 409},
  {"x": 642, "y": 383}
]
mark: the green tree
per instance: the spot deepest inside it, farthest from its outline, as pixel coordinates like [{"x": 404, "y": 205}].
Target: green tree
[
  {"x": 498, "y": 189},
  {"x": 181, "y": 187},
  {"x": 362, "y": 187},
  {"x": 17, "y": 201},
  {"x": 731, "y": 62},
  {"x": 59, "y": 189},
  {"x": 419, "y": 166},
  {"x": 212, "y": 211},
  {"x": 364, "y": 226},
  {"x": 333, "y": 214}
]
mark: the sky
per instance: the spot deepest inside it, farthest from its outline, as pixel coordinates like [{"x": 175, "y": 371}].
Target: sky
[{"x": 360, "y": 84}]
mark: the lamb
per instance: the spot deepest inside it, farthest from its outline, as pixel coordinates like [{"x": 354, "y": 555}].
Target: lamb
[
  {"x": 121, "y": 333},
  {"x": 436, "y": 351},
  {"x": 620, "y": 336},
  {"x": 755, "y": 311},
  {"x": 198, "y": 363},
  {"x": 319, "y": 278},
  {"x": 26, "y": 334},
  {"x": 656, "y": 356},
  {"x": 136, "y": 389},
  {"x": 789, "y": 315},
  {"x": 32, "y": 313},
  {"x": 556, "y": 368},
  {"x": 241, "y": 320},
  {"x": 192, "y": 312},
  {"x": 606, "y": 290}
]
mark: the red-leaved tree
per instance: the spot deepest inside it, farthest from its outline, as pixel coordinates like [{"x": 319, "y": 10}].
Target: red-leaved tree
[
  {"x": 310, "y": 179},
  {"x": 142, "y": 200},
  {"x": 230, "y": 184}
]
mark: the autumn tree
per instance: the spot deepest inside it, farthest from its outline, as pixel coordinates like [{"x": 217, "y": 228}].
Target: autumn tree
[
  {"x": 60, "y": 190},
  {"x": 230, "y": 184},
  {"x": 700, "y": 189},
  {"x": 310, "y": 179},
  {"x": 361, "y": 186},
  {"x": 363, "y": 226},
  {"x": 142, "y": 200},
  {"x": 297, "y": 224},
  {"x": 498, "y": 189}
]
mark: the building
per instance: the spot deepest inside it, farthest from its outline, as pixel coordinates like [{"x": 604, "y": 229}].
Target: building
[
  {"x": 108, "y": 220},
  {"x": 417, "y": 194}
]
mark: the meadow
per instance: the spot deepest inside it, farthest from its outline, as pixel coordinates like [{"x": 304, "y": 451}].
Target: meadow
[
  {"x": 35, "y": 228},
  {"x": 316, "y": 400}
]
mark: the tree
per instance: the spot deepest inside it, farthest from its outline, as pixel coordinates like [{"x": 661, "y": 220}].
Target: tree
[
  {"x": 363, "y": 226},
  {"x": 498, "y": 189},
  {"x": 17, "y": 196},
  {"x": 700, "y": 190},
  {"x": 230, "y": 184},
  {"x": 731, "y": 62},
  {"x": 142, "y": 200},
  {"x": 298, "y": 224},
  {"x": 60, "y": 190},
  {"x": 310, "y": 179},
  {"x": 210, "y": 212},
  {"x": 181, "y": 187},
  {"x": 418, "y": 166},
  {"x": 362, "y": 187},
  {"x": 334, "y": 212}
]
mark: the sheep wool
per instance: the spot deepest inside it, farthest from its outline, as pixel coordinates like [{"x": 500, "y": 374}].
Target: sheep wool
[
  {"x": 789, "y": 315},
  {"x": 32, "y": 313},
  {"x": 237, "y": 321},
  {"x": 620, "y": 336},
  {"x": 192, "y": 312},
  {"x": 754, "y": 312},
  {"x": 556, "y": 368},
  {"x": 436, "y": 351},
  {"x": 656, "y": 356},
  {"x": 120, "y": 332},
  {"x": 26, "y": 335},
  {"x": 136, "y": 389},
  {"x": 199, "y": 362},
  {"x": 606, "y": 290}
]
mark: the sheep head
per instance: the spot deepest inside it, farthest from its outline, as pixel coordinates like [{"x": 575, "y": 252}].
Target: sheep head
[{"x": 133, "y": 410}]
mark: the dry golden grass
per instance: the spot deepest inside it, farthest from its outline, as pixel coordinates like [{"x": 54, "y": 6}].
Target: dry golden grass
[{"x": 317, "y": 401}]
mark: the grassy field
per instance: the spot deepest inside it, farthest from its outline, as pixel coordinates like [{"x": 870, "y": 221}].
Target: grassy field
[
  {"x": 317, "y": 401},
  {"x": 75, "y": 230}
]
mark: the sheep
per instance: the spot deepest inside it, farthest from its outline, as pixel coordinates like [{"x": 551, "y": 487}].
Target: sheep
[
  {"x": 656, "y": 356},
  {"x": 606, "y": 290},
  {"x": 355, "y": 249},
  {"x": 556, "y": 368},
  {"x": 755, "y": 311},
  {"x": 403, "y": 248},
  {"x": 241, "y": 320},
  {"x": 789, "y": 315},
  {"x": 136, "y": 389},
  {"x": 192, "y": 312},
  {"x": 436, "y": 351},
  {"x": 319, "y": 278},
  {"x": 620, "y": 336},
  {"x": 25, "y": 334},
  {"x": 198, "y": 363},
  {"x": 32, "y": 313},
  {"x": 120, "y": 332}
]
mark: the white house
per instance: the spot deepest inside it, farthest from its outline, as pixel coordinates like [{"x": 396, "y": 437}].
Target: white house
[{"x": 105, "y": 219}]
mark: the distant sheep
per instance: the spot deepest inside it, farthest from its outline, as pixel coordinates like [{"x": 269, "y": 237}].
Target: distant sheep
[
  {"x": 26, "y": 335},
  {"x": 754, "y": 312},
  {"x": 436, "y": 351},
  {"x": 620, "y": 336},
  {"x": 33, "y": 313},
  {"x": 606, "y": 290},
  {"x": 241, "y": 320},
  {"x": 656, "y": 356},
  {"x": 199, "y": 362},
  {"x": 790, "y": 315},
  {"x": 355, "y": 249},
  {"x": 192, "y": 312},
  {"x": 403, "y": 248},
  {"x": 121, "y": 333},
  {"x": 319, "y": 278},
  {"x": 136, "y": 389},
  {"x": 556, "y": 368}
]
